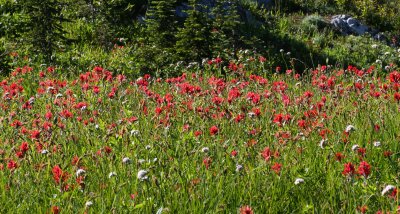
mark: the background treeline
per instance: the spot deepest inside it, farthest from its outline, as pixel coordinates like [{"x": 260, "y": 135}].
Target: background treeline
[{"x": 143, "y": 36}]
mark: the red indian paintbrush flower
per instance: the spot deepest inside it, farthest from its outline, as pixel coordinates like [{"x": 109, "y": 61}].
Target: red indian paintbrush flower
[
  {"x": 57, "y": 174},
  {"x": 348, "y": 169},
  {"x": 214, "y": 130},
  {"x": 207, "y": 162},
  {"x": 277, "y": 168},
  {"x": 266, "y": 153},
  {"x": 364, "y": 169}
]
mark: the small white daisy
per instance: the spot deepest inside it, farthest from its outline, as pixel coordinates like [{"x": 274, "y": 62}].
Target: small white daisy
[
  {"x": 298, "y": 181},
  {"x": 44, "y": 151},
  {"x": 142, "y": 175},
  {"x": 387, "y": 189}
]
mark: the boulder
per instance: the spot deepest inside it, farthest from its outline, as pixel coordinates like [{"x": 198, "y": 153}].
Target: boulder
[{"x": 348, "y": 25}]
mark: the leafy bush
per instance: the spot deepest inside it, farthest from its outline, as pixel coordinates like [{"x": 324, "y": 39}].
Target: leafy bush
[{"x": 313, "y": 23}]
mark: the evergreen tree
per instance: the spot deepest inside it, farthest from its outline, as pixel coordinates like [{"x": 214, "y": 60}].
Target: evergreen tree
[
  {"x": 226, "y": 23},
  {"x": 45, "y": 31},
  {"x": 194, "y": 39},
  {"x": 161, "y": 23}
]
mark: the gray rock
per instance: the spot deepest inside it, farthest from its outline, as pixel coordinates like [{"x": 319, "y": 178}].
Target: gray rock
[{"x": 348, "y": 25}]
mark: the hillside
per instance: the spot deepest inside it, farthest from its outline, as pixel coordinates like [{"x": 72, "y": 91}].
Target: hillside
[{"x": 141, "y": 37}]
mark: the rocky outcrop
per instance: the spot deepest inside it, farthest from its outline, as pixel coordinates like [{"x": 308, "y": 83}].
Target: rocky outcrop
[{"x": 348, "y": 25}]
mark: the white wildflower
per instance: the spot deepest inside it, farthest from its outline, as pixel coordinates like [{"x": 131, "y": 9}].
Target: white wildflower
[
  {"x": 88, "y": 204},
  {"x": 134, "y": 132},
  {"x": 378, "y": 61},
  {"x": 322, "y": 143},
  {"x": 298, "y": 181},
  {"x": 44, "y": 151},
  {"x": 387, "y": 189},
  {"x": 49, "y": 89},
  {"x": 377, "y": 144},
  {"x": 251, "y": 114},
  {"x": 374, "y": 46},
  {"x": 80, "y": 172},
  {"x": 148, "y": 147},
  {"x": 112, "y": 174},
  {"x": 126, "y": 160},
  {"x": 205, "y": 149},
  {"x": 142, "y": 175},
  {"x": 350, "y": 128},
  {"x": 31, "y": 100},
  {"x": 355, "y": 147},
  {"x": 239, "y": 167}
]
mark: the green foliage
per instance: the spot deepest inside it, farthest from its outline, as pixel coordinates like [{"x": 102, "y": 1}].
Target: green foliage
[
  {"x": 226, "y": 24},
  {"x": 193, "y": 40},
  {"x": 362, "y": 52},
  {"x": 12, "y": 21},
  {"x": 161, "y": 23},
  {"x": 313, "y": 23},
  {"x": 5, "y": 58},
  {"x": 45, "y": 30}
]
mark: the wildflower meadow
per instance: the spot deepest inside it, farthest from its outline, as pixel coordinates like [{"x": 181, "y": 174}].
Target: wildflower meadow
[{"x": 326, "y": 141}]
